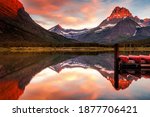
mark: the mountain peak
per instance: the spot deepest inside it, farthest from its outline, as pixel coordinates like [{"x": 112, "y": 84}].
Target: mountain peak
[
  {"x": 146, "y": 19},
  {"x": 120, "y": 12},
  {"x": 57, "y": 29},
  {"x": 9, "y": 8},
  {"x": 58, "y": 26}
]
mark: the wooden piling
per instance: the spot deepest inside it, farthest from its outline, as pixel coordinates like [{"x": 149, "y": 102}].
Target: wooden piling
[{"x": 116, "y": 66}]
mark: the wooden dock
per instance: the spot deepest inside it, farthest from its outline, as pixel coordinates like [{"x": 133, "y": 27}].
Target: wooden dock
[
  {"x": 131, "y": 61},
  {"x": 136, "y": 65}
]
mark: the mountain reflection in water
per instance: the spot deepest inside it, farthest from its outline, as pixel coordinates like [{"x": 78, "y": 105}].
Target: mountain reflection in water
[{"x": 67, "y": 76}]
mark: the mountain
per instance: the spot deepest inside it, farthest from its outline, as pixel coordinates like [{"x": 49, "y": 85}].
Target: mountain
[
  {"x": 120, "y": 26},
  {"x": 69, "y": 33},
  {"x": 98, "y": 62},
  {"x": 124, "y": 29},
  {"x": 146, "y": 22},
  {"x": 116, "y": 16},
  {"x": 142, "y": 33},
  {"x": 120, "y": 13},
  {"x": 121, "y": 31},
  {"x": 18, "y": 29}
]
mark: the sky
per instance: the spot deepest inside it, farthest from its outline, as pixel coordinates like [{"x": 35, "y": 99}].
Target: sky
[{"x": 79, "y": 14}]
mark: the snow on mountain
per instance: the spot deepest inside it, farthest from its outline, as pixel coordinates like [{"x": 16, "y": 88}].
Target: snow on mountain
[
  {"x": 98, "y": 62},
  {"x": 135, "y": 33},
  {"x": 121, "y": 24},
  {"x": 69, "y": 33}
]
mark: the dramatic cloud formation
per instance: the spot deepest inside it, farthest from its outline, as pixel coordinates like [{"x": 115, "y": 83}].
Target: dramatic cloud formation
[
  {"x": 64, "y": 12},
  {"x": 72, "y": 13}
]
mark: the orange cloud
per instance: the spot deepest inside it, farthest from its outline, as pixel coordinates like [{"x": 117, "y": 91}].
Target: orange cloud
[
  {"x": 64, "y": 12},
  {"x": 72, "y": 13},
  {"x": 72, "y": 84}
]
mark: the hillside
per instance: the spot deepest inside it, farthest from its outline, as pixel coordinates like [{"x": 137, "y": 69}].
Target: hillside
[{"x": 18, "y": 29}]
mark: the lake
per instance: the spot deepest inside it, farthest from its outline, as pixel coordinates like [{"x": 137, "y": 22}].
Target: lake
[{"x": 68, "y": 76}]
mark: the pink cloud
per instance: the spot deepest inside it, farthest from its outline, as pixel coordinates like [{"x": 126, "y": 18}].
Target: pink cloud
[
  {"x": 64, "y": 12},
  {"x": 71, "y": 13}
]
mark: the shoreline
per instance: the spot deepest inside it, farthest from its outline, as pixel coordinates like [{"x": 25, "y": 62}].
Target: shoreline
[{"x": 72, "y": 49}]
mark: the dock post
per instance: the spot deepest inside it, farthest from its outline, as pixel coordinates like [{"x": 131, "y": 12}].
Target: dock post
[{"x": 116, "y": 66}]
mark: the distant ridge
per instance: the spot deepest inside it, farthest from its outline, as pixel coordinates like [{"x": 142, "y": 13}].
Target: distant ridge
[{"x": 120, "y": 26}]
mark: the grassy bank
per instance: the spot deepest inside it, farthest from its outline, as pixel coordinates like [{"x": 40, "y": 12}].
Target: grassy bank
[
  {"x": 71, "y": 49},
  {"x": 55, "y": 49}
]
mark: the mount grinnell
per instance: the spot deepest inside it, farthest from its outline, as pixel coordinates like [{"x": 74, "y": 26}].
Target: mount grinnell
[
  {"x": 18, "y": 29},
  {"x": 120, "y": 26}
]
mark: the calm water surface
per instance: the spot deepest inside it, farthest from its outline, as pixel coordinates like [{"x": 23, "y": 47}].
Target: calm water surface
[{"x": 57, "y": 76}]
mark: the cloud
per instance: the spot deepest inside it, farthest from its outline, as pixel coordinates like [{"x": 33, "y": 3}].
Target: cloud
[
  {"x": 71, "y": 13},
  {"x": 64, "y": 12},
  {"x": 72, "y": 83}
]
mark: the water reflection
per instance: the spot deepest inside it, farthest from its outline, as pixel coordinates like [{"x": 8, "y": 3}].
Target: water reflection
[
  {"x": 17, "y": 70},
  {"x": 68, "y": 76}
]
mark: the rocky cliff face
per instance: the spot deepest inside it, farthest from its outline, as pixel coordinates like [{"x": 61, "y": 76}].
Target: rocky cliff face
[
  {"x": 120, "y": 13},
  {"x": 9, "y": 8},
  {"x": 18, "y": 29}
]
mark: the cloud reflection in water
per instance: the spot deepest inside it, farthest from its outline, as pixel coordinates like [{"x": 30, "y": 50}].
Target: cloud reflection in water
[{"x": 79, "y": 83}]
